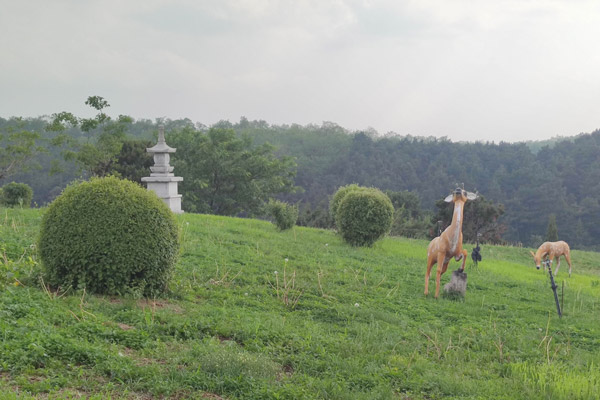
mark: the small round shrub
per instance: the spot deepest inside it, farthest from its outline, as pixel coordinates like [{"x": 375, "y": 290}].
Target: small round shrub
[
  {"x": 16, "y": 195},
  {"x": 109, "y": 236},
  {"x": 285, "y": 215},
  {"x": 364, "y": 216},
  {"x": 339, "y": 195}
]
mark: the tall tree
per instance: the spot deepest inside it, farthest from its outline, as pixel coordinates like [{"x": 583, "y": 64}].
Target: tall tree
[
  {"x": 409, "y": 219},
  {"x": 225, "y": 175},
  {"x": 18, "y": 146},
  {"x": 98, "y": 150},
  {"x": 133, "y": 162},
  {"x": 552, "y": 230}
]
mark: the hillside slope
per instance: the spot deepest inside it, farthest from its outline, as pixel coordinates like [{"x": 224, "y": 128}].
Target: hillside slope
[{"x": 255, "y": 313}]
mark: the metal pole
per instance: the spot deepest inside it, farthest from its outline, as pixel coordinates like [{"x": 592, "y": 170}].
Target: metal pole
[{"x": 547, "y": 262}]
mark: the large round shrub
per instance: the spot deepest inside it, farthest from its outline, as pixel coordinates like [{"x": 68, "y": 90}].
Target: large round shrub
[
  {"x": 109, "y": 236},
  {"x": 334, "y": 204},
  {"x": 16, "y": 195},
  {"x": 364, "y": 216}
]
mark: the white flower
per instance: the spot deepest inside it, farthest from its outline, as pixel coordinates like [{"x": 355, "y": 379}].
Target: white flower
[
  {"x": 286, "y": 260},
  {"x": 326, "y": 244},
  {"x": 356, "y": 305},
  {"x": 276, "y": 272},
  {"x": 245, "y": 294}
]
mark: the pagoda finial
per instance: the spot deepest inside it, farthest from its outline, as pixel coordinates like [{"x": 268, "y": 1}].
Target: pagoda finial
[
  {"x": 161, "y": 146},
  {"x": 161, "y": 133}
]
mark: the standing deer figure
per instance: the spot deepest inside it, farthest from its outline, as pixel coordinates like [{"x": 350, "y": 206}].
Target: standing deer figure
[
  {"x": 449, "y": 243},
  {"x": 551, "y": 250}
]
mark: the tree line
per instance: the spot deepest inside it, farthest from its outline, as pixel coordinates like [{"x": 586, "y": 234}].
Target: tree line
[{"x": 235, "y": 168}]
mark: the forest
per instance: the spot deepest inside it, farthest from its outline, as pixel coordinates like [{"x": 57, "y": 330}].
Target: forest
[{"x": 239, "y": 166}]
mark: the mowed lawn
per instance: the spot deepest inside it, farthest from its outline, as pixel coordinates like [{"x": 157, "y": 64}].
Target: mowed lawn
[{"x": 254, "y": 313}]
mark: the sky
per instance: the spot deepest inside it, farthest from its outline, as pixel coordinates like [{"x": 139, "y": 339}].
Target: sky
[{"x": 497, "y": 70}]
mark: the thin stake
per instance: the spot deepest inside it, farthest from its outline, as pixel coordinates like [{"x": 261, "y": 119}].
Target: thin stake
[
  {"x": 562, "y": 296},
  {"x": 547, "y": 262}
]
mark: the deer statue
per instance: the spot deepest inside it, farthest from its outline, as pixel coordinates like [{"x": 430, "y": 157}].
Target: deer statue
[
  {"x": 449, "y": 243},
  {"x": 551, "y": 250}
]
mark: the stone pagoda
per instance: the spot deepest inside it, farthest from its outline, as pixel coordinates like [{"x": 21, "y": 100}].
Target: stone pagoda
[{"x": 162, "y": 180}]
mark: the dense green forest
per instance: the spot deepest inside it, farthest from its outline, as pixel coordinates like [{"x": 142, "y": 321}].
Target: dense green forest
[
  {"x": 561, "y": 178},
  {"x": 528, "y": 182}
]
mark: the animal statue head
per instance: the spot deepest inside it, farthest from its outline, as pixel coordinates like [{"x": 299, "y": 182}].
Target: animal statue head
[
  {"x": 537, "y": 259},
  {"x": 459, "y": 194}
]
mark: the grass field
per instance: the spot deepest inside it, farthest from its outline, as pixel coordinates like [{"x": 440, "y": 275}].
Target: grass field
[{"x": 255, "y": 313}]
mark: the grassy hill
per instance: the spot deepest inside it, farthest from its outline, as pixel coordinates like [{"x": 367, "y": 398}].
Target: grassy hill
[{"x": 255, "y": 313}]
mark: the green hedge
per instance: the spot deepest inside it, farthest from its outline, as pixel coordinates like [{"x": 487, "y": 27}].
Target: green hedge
[
  {"x": 109, "y": 236},
  {"x": 364, "y": 216},
  {"x": 334, "y": 204},
  {"x": 16, "y": 195}
]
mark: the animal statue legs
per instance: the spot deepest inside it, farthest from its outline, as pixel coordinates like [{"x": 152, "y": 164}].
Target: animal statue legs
[
  {"x": 462, "y": 256},
  {"x": 568, "y": 258},
  {"x": 430, "y": 262},
  {"x": 432, "y": 253},
  {"x": 427, "y": 279},
  {"x": 442, "y": 266}
]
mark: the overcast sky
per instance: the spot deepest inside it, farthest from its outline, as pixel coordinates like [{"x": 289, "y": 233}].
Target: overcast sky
[{"x": 468, "y": 70}]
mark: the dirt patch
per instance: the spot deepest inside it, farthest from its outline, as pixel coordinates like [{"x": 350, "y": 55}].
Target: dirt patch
[
  {"x": 286, "y": 372},
  {"x": 141, "y": 361},
  {"x": 152, "y": 303},
  {"x": 159, "y": 304},
  {"x": 185, "y": 394},
  {"x": 224, "y": 339},
  {"x": 125, "y": 327},
  {"x": 64, "y": 394},
  {"x": 36, "y": 378},
  {"x": 288, "y": 369},
  {"x": 212, "y": 396},
  {"x": 229, "y": 340}
]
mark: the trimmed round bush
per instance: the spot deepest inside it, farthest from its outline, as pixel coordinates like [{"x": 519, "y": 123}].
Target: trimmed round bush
[
  {"x": 16, "y": 195},
  {"x": 339, "y": 195},
  {"x": 109, "y": 236},
  {"x": 285, "y": 215},
  {"x": 364, "y": 216}
]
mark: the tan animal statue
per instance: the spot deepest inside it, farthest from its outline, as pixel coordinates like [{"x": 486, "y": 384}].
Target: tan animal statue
[
  {"x": 449, "y": 244},
  {"x": 551, "y": 250}
]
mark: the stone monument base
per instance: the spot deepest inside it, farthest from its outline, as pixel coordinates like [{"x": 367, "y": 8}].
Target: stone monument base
[{"x": 165, "y": 187}]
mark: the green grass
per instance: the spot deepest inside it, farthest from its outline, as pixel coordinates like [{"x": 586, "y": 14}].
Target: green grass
[{"x": 333, "y": 322}]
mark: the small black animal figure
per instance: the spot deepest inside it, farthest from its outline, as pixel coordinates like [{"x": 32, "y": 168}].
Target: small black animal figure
[{"x": 476, "y": 255}]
